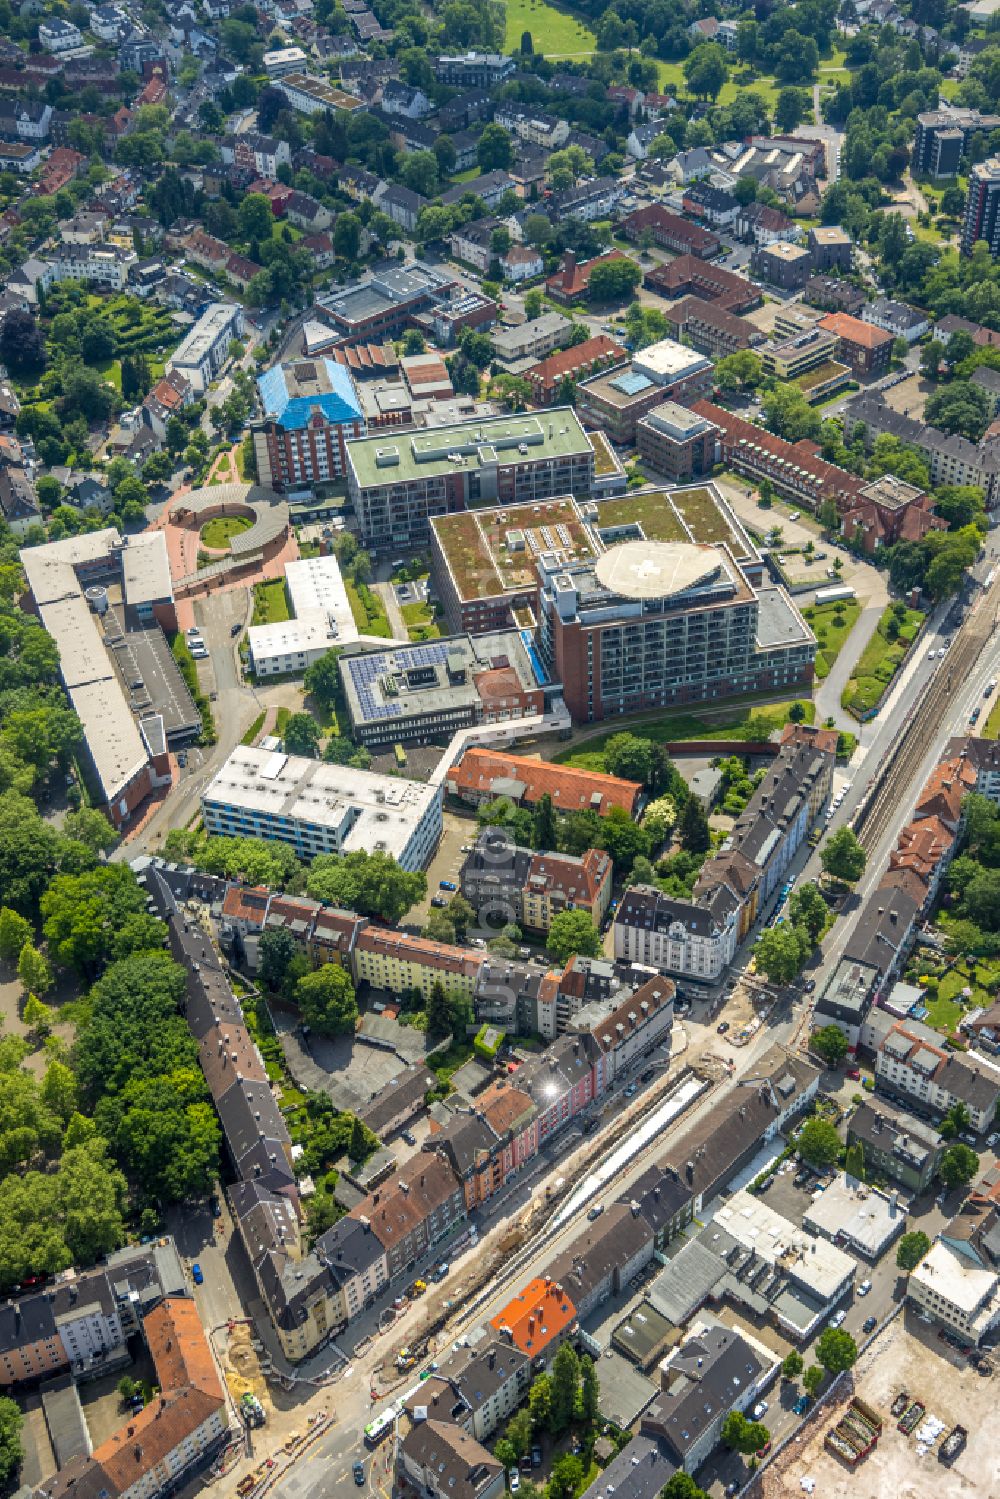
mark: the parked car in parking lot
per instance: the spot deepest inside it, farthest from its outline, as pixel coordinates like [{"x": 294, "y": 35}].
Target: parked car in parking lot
[
  {"x": 869, "y": 1324},
  {"x": 838, "y": 1319}
]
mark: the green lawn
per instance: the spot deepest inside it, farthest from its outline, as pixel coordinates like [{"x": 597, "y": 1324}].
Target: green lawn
[
  {"x": 672, "y": 82},
  {"x": 270, "y": 603},
  {"x": 555, "y": 32},
  {"x": 879, "y": 662},
  {"x": 831, "y": 635},
  {"x": 947, "y": 1005},
  {"x": 368, "y": 610},
  {"x": 420, "y": 622},
  {"x": 219, "y": 532},
  {"x": 991, "y": 728},
  {"x": 748, "y": 721}
]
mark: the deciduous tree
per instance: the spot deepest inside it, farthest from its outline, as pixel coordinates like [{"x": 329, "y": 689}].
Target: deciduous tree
[
  {"x": 572, "y": 932},
  {"x": 326, "y": 999}
]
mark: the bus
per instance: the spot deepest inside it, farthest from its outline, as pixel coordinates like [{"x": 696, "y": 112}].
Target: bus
[{"x": 376, "y": 1431}]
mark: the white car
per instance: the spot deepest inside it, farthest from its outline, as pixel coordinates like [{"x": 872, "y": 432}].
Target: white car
[
  {"x": 515, "y": 1480},
  {"x": 838, "y": 1318},
  {"x": 760, "y": 1409},
  {"x": 864, "y": 1288}
]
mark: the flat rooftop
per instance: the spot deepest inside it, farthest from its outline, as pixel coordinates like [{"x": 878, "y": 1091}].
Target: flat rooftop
[
  {"x": 669, "y": 360},
  {"x": 384, "y": 290},
  {"x": 211, "y": 326},
  {"x": 867, "y": 1219},
  {"x": 367, "y": 810},
  {"x": 697, "y": 514},
  {"x": 779, "y": 621},
  {"x": 849, "y": 987},
  {"x": 439, "y": 675},
  {"x": 492, "y": 552},
  {"x": 151, "y": 679},
  {"x": 891, "y": 493},
  {"x": 782, "y": 250},
  {"x": 821, "y": 1268},
  {"x": 677, "y": 422},
  {"x": 399, "y": 458},
  {"x": 146, "y": 569}
]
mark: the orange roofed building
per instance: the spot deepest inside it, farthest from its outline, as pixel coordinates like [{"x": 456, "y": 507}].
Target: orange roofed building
[
  {"x": 483, "y": 775},
  {"x": 538, "y": 1320},
  {"x": 173, "y": 1435}
]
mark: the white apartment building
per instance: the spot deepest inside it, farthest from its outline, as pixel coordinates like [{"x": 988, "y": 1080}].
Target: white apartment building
[
  {"x": 201, "y": 355},
  {"x": 322, "y": 809},
  {"x": 955, "y": 1290},
  {"x": 911, "y": 1063},
  {"x": 107, "y": 265},
  {"x": 674, "y": 936}
]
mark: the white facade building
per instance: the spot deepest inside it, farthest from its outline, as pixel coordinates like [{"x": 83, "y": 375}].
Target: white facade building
[
  {"x": 322, "y": 809},
  {"x": 953, "y": 1289},
  {"x": 674, "y": 936},
  {"x": 205, "y": 350},
  {"x": 322, "y": 618}
]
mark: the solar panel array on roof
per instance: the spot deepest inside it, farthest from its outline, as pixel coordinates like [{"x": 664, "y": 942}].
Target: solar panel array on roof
[
  {"x": 631, "y": 383},
  {"x": 366, "y": 671}
]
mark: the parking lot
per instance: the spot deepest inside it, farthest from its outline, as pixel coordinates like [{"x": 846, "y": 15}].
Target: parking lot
[{"x": 445, "y": 865}]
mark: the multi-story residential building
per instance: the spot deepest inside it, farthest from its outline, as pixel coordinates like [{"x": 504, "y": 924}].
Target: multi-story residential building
[
  {"x": 165, "y": 1443},
  {"x": 202, "y": 353},
  {"x": 847, "y": 997},
  {"x": 952, "y": 459},
  {"x": 790, "y": 357},
  {"x": 942, "y": 139},
  {"x": 473, "y": 69},
  {"x": 488, "y": 1147},
  {"x": 488, "y": 1383},
  {"x": 657, "y": 623},
  {"x": 782, "y": 264},
  {"x": 439, "y": 1460},
  {"x": 100, "y": 264},
  {"x": 262, "y": 154},
  {"x": 396, "y": 961},
  {"x": 896, "y": 318},
  {"x": 629, "y": 1030},
  {"x": 414, "y": 1209},
  {"x": 603, "y": 1258},
  {"x": 483, "y": 775},
  {"x": 831, "y": 248},
  {"x": 982, "y": 207},
  {"x": 397, "y": 484},
  {"x": 595, "y": 198},
  {"x": 536, "y": 126},
  {"x": 911, "y": 1064},
  {"x": 310, "y": 410},
  {"x": 532, "y": 340},
  {"x": 982, "y": 756},
  {"x": 310, "y": 95},
  {"x": 674, "y": 936},
  {"x": 714, "y": 1371},
  {"x": 895, "y": 1145},
  {"x": 322, "y": 808},
  {"x": 57, "y": 35},
  {"x": 888, "y": 510},
  {"x": 508, "y": 884},
  {"x": 538, "y": 1320}
]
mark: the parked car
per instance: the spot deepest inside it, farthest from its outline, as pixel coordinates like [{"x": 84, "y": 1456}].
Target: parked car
[
  {"x": 854, "y": 1073},
  {"x": 595, "y": 1212},
  {"x": 801, "y": 1405},
  {"x": 760, "y": 1410},
  {"x": 359, "y": 1474},
  {"x": 536, "y": 1456},
  {"x": 235, "y": 629},
  {"x": 869, "y": 1324},
  {"x": 514, "y": 1480},
  {"x": 447, "y": 885},
  {"x": 437, "y": 901},
  {"x": 810, "y": 986},
  {"x": 838, "y": 1319},
  {"x": 864, "y": 1288},
  {"x": 408, "y": 1137},
  {"x": 722, "y": 1028},
  {"x": 439, "y": 1272},
  {"x": 196, "y": 1274}
]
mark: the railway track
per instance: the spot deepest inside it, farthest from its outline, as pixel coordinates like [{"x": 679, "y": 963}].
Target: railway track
[{"x": 917, "y": 732}]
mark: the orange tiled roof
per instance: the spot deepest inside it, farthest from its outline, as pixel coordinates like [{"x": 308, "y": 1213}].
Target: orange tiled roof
[
  {"x": 535, "y": 1317},
  {"x": 854, "y": 331},
  {"x": 570, "y": 789}
]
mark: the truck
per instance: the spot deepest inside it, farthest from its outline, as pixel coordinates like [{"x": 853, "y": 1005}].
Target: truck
[{"x": 838, "y": 593}]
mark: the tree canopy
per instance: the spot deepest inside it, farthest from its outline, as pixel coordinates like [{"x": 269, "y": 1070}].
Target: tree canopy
[{"x": 371, "y": 884}]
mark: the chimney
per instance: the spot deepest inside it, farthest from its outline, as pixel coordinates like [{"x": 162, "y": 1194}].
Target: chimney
[{"x": 568, "y": 267}]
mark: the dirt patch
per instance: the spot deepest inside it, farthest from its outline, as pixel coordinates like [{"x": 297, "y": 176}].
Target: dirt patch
[
  {"x": 908, "y": 1357},
  {"x": 909, "y": 397},
  {"x": 11, "y": 1023},
  {"x": 241, "y": 1367}
]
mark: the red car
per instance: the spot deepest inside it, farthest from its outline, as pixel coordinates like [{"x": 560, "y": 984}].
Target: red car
[
  {"x": 763, "y": 1451},
  {"x": 854, "y": 1074}
]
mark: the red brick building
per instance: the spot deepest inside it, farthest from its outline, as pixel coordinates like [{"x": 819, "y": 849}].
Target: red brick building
[
  {"x": 671, "y": 232},
  {"x": 571, "y": 282},
  {"x": 689, "y": 276},
  {"x": 864, "y": 347},
  {"x": 582, "y": 359},
  {"x": 795, "y": 469}
]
